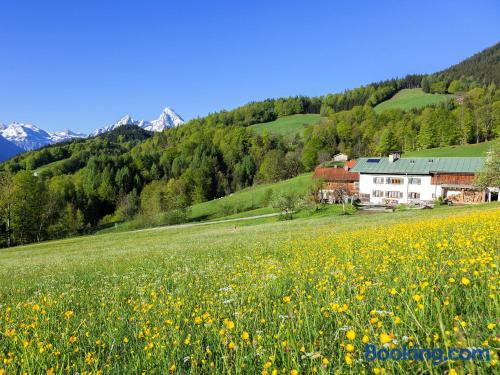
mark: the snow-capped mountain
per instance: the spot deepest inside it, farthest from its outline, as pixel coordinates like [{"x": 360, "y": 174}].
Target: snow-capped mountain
[
  {"x": 30, "y": 137},
  {"x": 26, "y": 136},
  {"x": 65, "y": 135},
  {"x": 168, "y": 119},
  {"x": 125, "y": 120}
]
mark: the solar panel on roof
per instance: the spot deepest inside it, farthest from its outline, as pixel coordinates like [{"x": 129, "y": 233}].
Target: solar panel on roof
[{"x": 373, "y": 160}]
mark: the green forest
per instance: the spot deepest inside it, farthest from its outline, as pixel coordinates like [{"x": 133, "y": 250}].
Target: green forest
[{"x": 70, "y": 188}]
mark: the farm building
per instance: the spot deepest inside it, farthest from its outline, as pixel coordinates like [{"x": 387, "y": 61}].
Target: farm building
[
  {"x": 336, "y": 178},
  {"x": 340, "y": 157},
  {"x": 394, "y": 180}
]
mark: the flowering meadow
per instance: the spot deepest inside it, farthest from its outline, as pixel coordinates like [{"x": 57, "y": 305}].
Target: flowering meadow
[{"x": 301, "y": 302}]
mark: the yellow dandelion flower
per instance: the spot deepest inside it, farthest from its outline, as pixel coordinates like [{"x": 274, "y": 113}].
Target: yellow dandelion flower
[
  {"x": 351, "y": 335},
  {"x": 385, "y": 338},
  {"x": 465, "y": 281},
  {"x": 348, "y": 359}
]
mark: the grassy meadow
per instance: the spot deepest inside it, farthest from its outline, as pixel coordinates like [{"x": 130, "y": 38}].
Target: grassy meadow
[
  {"x": 407, "y": 99},
  {"x": 293, "y": 297},
  {"x": 287, "y": 126}
]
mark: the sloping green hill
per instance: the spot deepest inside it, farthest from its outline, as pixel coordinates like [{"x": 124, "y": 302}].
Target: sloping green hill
[
  {"x": 407, "y": 99},
  {"x": 248, "y": 199},
  {"x": 287, "y": 126},
  {"x": 476, "y": 150}
]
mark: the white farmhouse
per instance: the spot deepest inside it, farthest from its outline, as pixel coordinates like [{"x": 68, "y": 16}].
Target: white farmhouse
[{"x": 395, "y": 180}]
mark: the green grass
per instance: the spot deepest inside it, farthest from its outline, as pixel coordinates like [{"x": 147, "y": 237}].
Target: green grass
[
  {"x": 248, "y": 199},
  {"x": 472, "y": 150},
  {"x": 224, "y": 298},
  {"x": 244, "y": 203},
  {"x": 287, "y": 126},
  {"x": 407, "y": 99}
]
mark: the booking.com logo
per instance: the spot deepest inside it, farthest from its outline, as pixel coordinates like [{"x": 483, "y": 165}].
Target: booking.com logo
[{"x": 435, "y": 355}]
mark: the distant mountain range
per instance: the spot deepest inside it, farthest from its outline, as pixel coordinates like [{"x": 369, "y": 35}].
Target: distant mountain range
[
  {"x": 168, "y": 119},
  {"x": 16, "y": 137},
  {"x": 30, "y": 137}
]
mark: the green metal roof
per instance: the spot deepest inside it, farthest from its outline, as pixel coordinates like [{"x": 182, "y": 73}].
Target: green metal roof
[{"x": 418, "y": 165}]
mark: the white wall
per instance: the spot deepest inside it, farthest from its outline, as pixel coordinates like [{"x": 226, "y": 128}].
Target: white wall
[{"x": 427, "y": 191}]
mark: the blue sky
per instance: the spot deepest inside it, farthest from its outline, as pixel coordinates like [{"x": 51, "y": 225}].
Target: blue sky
[{"x": 82, "y": 65}]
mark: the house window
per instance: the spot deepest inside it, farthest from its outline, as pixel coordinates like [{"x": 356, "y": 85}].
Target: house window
[
  {"x": 414, "y": 180},
  {"x": 394, "y": 194},
  {"x": 394, "y": 180},
  {"x": 378, "y": 180},
  {"x": 377, "y": 193},
  {"x": 413, "y": 195}
]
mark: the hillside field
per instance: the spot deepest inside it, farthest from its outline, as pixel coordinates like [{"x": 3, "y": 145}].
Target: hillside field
[
  {"x": 296, "y": 297},
  {"x": 469, "y": 150},
  {"x": 407, "y": 99},
  {"x": 287, "y": 126}
]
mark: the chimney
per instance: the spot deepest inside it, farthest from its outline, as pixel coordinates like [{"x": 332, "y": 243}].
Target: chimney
[{"x": 393, "y": 156}]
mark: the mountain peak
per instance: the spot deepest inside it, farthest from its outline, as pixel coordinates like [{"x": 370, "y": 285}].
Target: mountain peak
[{"x": 167, "y": 119}]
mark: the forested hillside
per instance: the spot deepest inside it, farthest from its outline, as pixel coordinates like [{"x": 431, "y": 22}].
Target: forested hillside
[
  {"x": 63, "y": 189},
  {"x": 483, "y": 67}
]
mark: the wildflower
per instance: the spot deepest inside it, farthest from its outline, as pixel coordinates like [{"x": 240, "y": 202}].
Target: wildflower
[
  {"x": 172, "y": 368},
  {"x": 365, "y": 339},
  {"x": 348, "y": 359},
  {"x": 294, "y": 372},
  {"x": 229, "y": 324},
  {"x": 325, "y": 361},
  {"x": 385, "y": 338},
  {"x": 125, "y": 340},
  {"x": 351, "y": 335},
  {"x": 231, "y": 345},
  {"x": 417, "y": 298},
  {"x": 491, "y": 326},
  {"x": 198, "y": 320},
  {"x": 287, "y": 299},
  {"x": 245, "y": 335},
  {"x": 349, "y": 347},
  {"x": 68, "y": 314},
  {"x": 465, "y": 281},
  {"x": 72, "y": 339}
]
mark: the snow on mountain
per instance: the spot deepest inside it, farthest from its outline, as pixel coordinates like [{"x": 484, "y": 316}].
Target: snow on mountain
[
  {"x": 65, "y": 135},
  {"x": 26, "y": 136},
  {"x": 168, "y": 119},
  {"x": 30, "y": 137}
]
